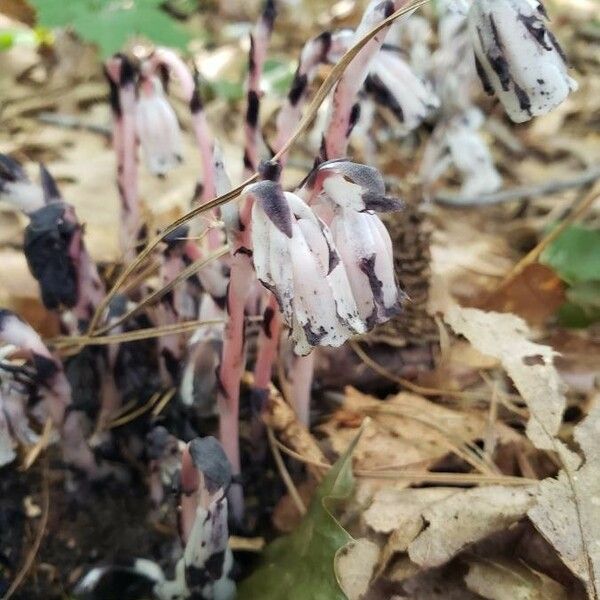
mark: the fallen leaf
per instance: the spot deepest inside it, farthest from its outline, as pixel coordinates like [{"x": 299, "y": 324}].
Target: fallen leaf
[
  {"x": 354, "y": 566},
  {"x": 502, "y": 579},
  {"x": 529, "y": 365},
  {"x": 405, "y": 430},
  {"x": 400, "y": 510},
  {"x": 567, "y": 512},
  {"x": 437, "y": 584},
  {"x": 466, "y": 517},
  {"x": 535, "y": 294}
]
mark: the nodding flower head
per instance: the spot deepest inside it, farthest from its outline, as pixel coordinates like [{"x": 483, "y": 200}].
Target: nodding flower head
[
  {"x": 517, "y": 57},
  {"x": 393, "y": 83},
  {"x": 157, "y": 127},
  {"x": 53, "y": 251},
  {"x": 294, "y": 257},
  {"x": 351, "y": 185},
  {"x": 456, "y": 142},
  {"x": 352, "y": 192}
]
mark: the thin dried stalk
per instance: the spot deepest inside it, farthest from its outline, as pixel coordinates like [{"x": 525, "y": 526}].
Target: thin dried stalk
[
  {"x": 190, "y": 270},
  {"x": 289, "y": 484},
  {"x": 131, "y": 336},
  {"x": 30, "y": 558}
]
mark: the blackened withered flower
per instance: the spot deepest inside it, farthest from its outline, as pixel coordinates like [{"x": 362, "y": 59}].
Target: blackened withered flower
[
  {"x": 518, "y": 58},
  {"x": 48, "y": 240}
]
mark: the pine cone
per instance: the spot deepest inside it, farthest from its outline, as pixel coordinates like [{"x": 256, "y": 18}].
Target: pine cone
[{"x": 411, "y": 233}]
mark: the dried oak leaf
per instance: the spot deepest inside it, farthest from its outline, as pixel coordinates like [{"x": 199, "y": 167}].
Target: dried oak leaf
[
  {"x": 354, "y": 566},
  {"x": 567, "y": 512},
  {"x": 466, "y": 517},
  {"x": 501, "y": 579},
  {"x": 567, "y": 509},
  {"x": 406, "y": 430},
  {"x": 529, "y": 365}
]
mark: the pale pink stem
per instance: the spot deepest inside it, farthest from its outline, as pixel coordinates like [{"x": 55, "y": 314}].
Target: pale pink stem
[
  {"x": 170, "y": 346},
  {"x": 259, "y": 43},
  {"x": 344, "y": 111},
  {"x": 91, "y": 290},
  {"x": 319, "y": 50},
  {"x": 233, "y": 356},
  {"x": 268, "y": 343},
  {"x": 121, "y": 75},
  {"x": 202, "y": 132},
  {"x": 302, "y": 377}
]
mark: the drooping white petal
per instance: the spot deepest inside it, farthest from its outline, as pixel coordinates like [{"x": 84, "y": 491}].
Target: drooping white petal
[
  {"x": 314, "y": 305},
  {"x": 413, "y": 100},
  {"x": 354, "y": 242},
  {"x": 157, "y": 129},
  {"x": 366, "y": 252},
  {"x": 457, "y": 142}
]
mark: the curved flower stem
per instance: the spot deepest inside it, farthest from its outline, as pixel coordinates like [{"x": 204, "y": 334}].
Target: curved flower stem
[
  {"x": 121, "y": 76},
  {"x": 259, "y": 42},
  {"x": 302, "y": 378},
  {"x": 344, "y": 111},
  {"x": 202, "y": 132},
  {"x": 231, "y": 370}
]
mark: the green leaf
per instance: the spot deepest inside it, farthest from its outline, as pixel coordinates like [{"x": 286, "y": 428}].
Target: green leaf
[
  {"x": 278, "y": 75},
  {"x": 576, "y": 316},
  {"x": 16, "y": 37},
  {"x": 300, "y": 566},
  {"x": 575, "y": 255},
  {"x": 227, "y": 89},
  {"x": 111, "y": 23}
]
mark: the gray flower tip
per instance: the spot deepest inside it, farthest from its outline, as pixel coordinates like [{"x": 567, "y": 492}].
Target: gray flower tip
[
  {"x": 270, "y": 170},
  {"x": 118, "y": 306},
  {"x": 11, "y": 170},
  {"x": 49, "y": 187},
  {"x": 5, "y": 316},
  {"x": 384, "y": 204},
  {"x": 156, "y": 442},
  {"x": 270, "y": 196},
  {"x": 208, "y": 457}
]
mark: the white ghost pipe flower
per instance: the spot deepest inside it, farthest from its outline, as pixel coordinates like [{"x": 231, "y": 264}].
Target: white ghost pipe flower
[
  {"x": 366, "y": 251},
  {"x": 457, "y": 142},
  {"x": 518, "y": 58},
  {"x": 352, "y": 191},
  {"x": 351, "y": 185},
  {"x": 295, "y": 258},
  {"x": 413, "y": 36},
  {"x": 395, "y": 85},
  {"x": 157, "y": 127}
]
